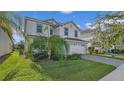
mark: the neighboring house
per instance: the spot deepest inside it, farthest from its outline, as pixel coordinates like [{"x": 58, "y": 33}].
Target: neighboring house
[
  {"x": 69, "y": 31},
  {"x": 89, "y": 35},
  {"x": 5, "y": 43}
]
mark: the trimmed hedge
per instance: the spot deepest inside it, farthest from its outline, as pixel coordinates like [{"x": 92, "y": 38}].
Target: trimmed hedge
[
  {"x": 117, "y": 51},
  {"x": 74, "y": 57}
]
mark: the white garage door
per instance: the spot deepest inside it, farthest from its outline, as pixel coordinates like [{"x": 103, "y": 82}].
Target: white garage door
[{"x": 78, "y": 49}]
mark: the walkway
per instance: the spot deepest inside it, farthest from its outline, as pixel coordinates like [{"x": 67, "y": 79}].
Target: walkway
[{"x": 105, "y": 60}]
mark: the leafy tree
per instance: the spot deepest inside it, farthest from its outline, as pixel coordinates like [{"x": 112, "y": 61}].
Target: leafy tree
[
  {"x": 53, "y": 46},
  {"x": 38, "y": 48},
  {"x": 10, "y": 21},
  {"x": 110, "y": 29},
  {"x": 57, "y": 47}
]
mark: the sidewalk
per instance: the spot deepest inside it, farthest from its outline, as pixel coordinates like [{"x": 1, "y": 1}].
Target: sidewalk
[{"x": 116, "y": 75}]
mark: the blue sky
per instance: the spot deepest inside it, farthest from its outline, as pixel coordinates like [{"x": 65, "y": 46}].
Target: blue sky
[{"x": 81, "y": 18}]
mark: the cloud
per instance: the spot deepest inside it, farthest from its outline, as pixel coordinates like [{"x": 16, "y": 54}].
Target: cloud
[
  {"x": 66, "y": 12},
  {"x": 88, "y": 26},
  {"x": 78, "y": 25}
]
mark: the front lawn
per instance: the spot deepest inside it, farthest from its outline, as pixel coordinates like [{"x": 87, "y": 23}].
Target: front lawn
[{"x": 17, "y": 68}]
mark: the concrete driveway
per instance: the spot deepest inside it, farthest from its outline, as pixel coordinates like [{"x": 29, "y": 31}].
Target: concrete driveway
[{"x": 105, "y": 60}]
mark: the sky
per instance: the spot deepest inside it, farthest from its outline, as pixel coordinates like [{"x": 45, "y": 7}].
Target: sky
[{"x": 81, "y": 18}]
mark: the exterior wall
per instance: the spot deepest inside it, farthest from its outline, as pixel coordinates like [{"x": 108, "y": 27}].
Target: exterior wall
[
  {"x": 31, "y": 29},
  {"x": 27, "y": 43},
  {"x": 71, "y": 31},
  {"x": 5, "y": 43},
  {"x": 57, "y": 31}
]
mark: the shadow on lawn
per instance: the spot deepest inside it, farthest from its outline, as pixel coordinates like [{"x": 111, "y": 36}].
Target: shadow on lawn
[
  {"x": 10, "y": 75},
  {"x": 3, "y": 58}
]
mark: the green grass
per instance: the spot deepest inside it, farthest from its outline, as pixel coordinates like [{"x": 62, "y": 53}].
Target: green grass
[
  {"x": 110, "y": 56},
  {"x": 17, "y": 68}
]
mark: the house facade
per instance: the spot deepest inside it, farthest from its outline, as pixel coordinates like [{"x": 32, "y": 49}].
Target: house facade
[
  {"x": 5, "y": 43},
  {"x": 69, "y": 31}
]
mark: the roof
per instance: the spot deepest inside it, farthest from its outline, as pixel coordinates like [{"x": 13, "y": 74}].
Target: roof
[
  {"x": 87, "y": 31},
  {"x": 72, "y": 23},
  {"x": 75, "y": 39},
  {"x": 41, "y": 21},
  {"x": 52, "y": 19}
]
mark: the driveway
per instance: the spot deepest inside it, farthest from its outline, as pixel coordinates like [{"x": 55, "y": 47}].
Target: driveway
[{"x": 105, "y": 60}]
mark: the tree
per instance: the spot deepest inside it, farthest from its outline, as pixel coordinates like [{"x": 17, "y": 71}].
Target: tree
[
  {"x": 57, "y": 46},
  {"x": 10, "y": 21},
  {"x": 110, "y": 29},
  {"x": 54, "y": 45}
]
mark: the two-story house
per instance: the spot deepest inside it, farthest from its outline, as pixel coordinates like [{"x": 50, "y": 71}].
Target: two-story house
[{"x": 69, "y": 31}]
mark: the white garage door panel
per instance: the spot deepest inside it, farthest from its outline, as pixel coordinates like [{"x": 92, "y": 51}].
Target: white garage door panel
[{"x": 77, "y": 49}]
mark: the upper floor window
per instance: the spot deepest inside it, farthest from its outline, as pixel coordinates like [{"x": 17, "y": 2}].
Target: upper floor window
[
  {"x": 51, "y": 32},
  {"x": 66, "y": 31},
  {"x": 39, "y": 28},
  {"x": 76, "y": 33}
]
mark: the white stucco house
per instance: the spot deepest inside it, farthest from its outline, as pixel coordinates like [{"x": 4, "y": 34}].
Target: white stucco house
[
  {"x": 69, "y": 31},
  {"x": 5, "y": 43}
]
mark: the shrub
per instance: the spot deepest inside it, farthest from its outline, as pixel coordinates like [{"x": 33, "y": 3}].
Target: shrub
[
  {"x": 57, "y": 56},
  {"x": 117, "y": 51},
  {"x": 91, "y": 50},
  {"x": 122, "y": 51},
  {"x": 96, "y": 51},
  {"x": 41, "y": 45},
  {"x": 74, "y": 57},
  {"x": 40, "y": 55}
]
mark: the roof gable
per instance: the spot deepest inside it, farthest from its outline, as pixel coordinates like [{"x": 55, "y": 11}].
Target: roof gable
[
  {"x": 73, "y": 24},
  {"x": 51, "y": 21}
]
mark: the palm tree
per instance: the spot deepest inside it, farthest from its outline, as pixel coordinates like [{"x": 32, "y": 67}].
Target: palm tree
[{"x": 10, "y": 21}]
